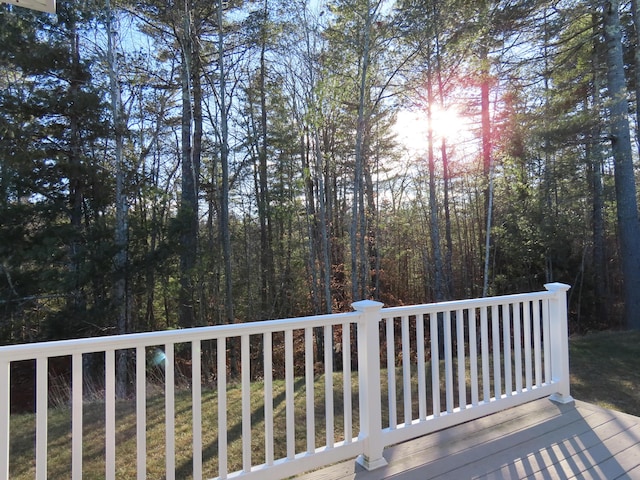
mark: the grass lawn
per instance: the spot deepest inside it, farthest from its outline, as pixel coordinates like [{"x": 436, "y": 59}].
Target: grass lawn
[
  {"x": 22, "y": 442},
  {"x": 605, "y": 370}
]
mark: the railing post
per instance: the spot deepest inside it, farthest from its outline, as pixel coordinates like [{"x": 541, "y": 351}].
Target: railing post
[
  {"x": 369, "y": 380},
  {"x": 5, "y": 410},
  {"x": 559, "y": 339}
]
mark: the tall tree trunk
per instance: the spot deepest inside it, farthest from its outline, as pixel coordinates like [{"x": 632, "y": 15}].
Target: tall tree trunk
[
  {"x": 225, "y": 229},
  {"x": 448, "y": 257},
  {"x": 120, "y": 293},
  {"x": 486, "y": 162},
  {"x": 594, "y": 158},
  {"x": 635, "y": 11},
  {"x": 310, "y": 210},
  {"x": 358, "y": 220},
  {"x": 264, "y": 211},
  {"x": 595, "y": 161},
  {"x": 372, "y": 259},
  {"x": 317, "y": 189},
  {"x": 549, "y": 220},
  {"x": 224, "y": 164},
  {"x": 196, "y": 160},
  {"x": 434, "y": 224},
  {"x": 627, "y": 206},
  {"x": 190, "y": 155},
  {"x": 324, "y": 196},
  {"x": 77, "y": 300}
]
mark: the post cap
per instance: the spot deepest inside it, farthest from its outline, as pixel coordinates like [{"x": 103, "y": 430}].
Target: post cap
[
  {"x": 367, "y": 305},
  {"x": 557, "y": 287}
]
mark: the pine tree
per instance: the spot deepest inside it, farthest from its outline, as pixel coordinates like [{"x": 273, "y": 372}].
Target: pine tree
[{"x": 51, "y": 121}]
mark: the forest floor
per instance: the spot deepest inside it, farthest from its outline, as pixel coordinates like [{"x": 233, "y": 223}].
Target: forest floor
[{"x": 605, "y": 370}]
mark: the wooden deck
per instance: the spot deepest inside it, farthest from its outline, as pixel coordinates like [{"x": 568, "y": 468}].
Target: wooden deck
[{"x": 540, "y": 439}]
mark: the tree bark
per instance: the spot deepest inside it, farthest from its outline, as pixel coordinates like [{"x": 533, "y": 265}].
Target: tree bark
[
  {"x": 434, "y": 224},
  {"x": 120, "y": 294},
  {"x": 627, "y": 206},
  {"x": 635, "y": 12},
  {"x": 595, "y": 161},
  {"x": 448, "y": 256},
  {"x": 77, "y": 300},
  {"x": 486, "y": 162},
  {"x": 358, "y": 221},
  {"x": 264, "y": 211},
  {"x": 224, "y": 164},
  {"x": 190, "y": 156}
]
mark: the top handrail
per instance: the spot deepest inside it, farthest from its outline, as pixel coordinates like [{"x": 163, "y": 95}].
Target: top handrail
[
  {"x": 58, "y": 348},
  {"x": 462, "y": 304},
  {"x": 115, "y": 342}
]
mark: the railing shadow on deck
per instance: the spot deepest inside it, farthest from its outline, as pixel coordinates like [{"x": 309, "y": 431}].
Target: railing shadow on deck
[
  {"x": 442, "y": 364},
  {"x": 566, "y": 446},
  {"x": 535, "y": 441}
]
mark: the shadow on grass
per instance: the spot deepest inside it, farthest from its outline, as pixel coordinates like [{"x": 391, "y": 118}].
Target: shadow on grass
[{"x": 605, "y": 370}]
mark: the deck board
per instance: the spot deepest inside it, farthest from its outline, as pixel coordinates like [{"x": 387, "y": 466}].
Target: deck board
[{"x": 540, "y": 439}]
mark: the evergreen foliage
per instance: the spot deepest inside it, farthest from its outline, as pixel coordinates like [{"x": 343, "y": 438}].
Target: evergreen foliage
[{"x": 263, "y": 175}]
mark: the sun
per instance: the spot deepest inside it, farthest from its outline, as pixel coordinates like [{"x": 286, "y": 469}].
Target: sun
[
  {"x": 448, "y": 123},
  {"x": 412, "y": 127}
]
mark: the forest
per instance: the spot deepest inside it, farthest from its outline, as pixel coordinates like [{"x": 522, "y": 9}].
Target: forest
[{"x": 176, "y": 163}]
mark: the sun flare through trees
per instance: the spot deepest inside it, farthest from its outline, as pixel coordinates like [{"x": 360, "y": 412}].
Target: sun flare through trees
[{"x": 276, "y": 158}]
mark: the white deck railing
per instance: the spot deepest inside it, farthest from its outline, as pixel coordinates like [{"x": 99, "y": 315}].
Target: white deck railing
[{"x": 418, "y": 369}]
